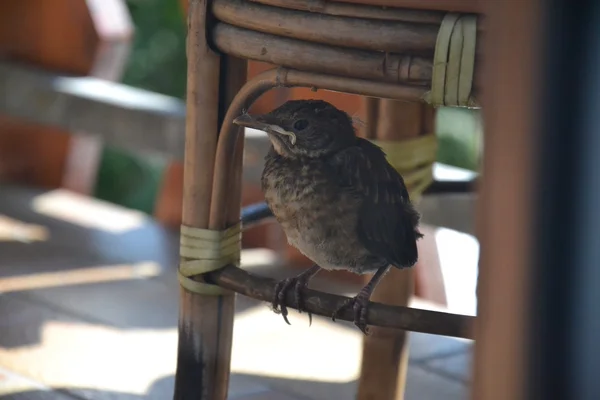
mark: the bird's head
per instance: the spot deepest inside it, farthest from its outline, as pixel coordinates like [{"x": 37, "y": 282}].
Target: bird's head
[{"x": 304, "y": 128}]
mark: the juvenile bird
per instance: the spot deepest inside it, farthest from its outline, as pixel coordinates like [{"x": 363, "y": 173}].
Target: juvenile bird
[{"x": 339, "y": 201}]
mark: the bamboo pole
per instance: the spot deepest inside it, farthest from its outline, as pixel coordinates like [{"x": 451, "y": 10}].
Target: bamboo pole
[
  {"x": 356, "y": 33},
  {"x": 200, "y": 373},
  {"x": 464, "y": 6},
  {"x": 315, "y": 57},
  {"x": 320, "y": 303},
  {"x": 358, "y": 10},
  {"x": 235, "y": 79}
]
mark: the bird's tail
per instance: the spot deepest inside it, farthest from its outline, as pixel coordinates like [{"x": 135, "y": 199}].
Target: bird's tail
[{"x": 412, "y": 234}]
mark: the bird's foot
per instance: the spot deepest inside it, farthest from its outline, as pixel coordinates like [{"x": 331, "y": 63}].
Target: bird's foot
[
  {"x": 279, "y": 303},
  {"x": 359, "y": 304}
]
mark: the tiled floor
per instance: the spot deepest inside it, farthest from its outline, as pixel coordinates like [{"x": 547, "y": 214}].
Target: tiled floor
[{"x": 81, "y": 321}]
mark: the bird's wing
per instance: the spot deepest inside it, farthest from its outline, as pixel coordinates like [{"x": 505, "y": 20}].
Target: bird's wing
[{"x": 387, "y": 223}]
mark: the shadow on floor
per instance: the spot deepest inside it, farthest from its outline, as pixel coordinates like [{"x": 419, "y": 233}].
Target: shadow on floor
[
  {"x": 36, "y": 279},
  {"x": 242, "y": 387},
  {"x": 421, "y": 385}
]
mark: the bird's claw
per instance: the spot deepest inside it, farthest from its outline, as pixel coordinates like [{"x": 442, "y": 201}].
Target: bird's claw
[
  {"x": 279, "y": 296},
  {"x": 359, "y": 304}
]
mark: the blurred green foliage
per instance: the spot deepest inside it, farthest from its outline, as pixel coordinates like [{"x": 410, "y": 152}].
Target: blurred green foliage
[
  {"x": 129, "y": 179},
  {"x": 157, "y": 61},
  {"x": 460, "y": 135}
]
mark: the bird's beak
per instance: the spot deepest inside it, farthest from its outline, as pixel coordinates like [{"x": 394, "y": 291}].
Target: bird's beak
[
  {"x": 249, "y": 121},
  {"x": 257, "y": 122}
]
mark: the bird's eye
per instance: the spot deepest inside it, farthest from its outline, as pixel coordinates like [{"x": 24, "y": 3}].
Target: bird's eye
[{"x": 301, "y": 124}]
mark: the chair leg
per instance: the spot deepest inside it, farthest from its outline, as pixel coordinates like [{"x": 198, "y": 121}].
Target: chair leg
[
  {"x": 385, "y": 351},
  {"x": 205, "y": 320}
]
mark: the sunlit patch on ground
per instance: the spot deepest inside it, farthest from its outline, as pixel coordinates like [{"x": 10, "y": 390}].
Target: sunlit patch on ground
[
  {"x": 265, "y": 345},
  {"x": 11, "y": 383},
  {"x": 79, "y": 355},
  {"x": 87, "y": 212},
  {"x": 12, "y": 230},
  {"x": 82, "y": 276}
]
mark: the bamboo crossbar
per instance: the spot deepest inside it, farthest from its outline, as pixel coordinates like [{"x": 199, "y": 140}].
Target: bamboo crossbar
[
  {"x": 358, "y": 10},
  {"x": 351, "y": 32},
  {"x": 322, "y": 58},
  {"x": 320, "y": 303},
  {"x": 399, "y": 50}
]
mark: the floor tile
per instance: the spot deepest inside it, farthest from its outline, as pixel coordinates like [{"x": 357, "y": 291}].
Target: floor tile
[
  {"x": 136, "y": 303},
  {"x": 314, "y": 389},
  {"x": 425, "y": 346},
  {"x": 117, "y": 340},
  {"x": 241, "y": 386},
  {"x": 425, "y": 385},
  {"x": 15, "y": 386},
  {"x": 21, "y": 322},
  {"x": 421, "y": 385},
  {"x": 457, "y": 366},
  {"x": 102, "y": 362},
  {"x": 39, "y": 395},
  {"x": 267, "y": 395},
  {"x": 270, "y": 395}
]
